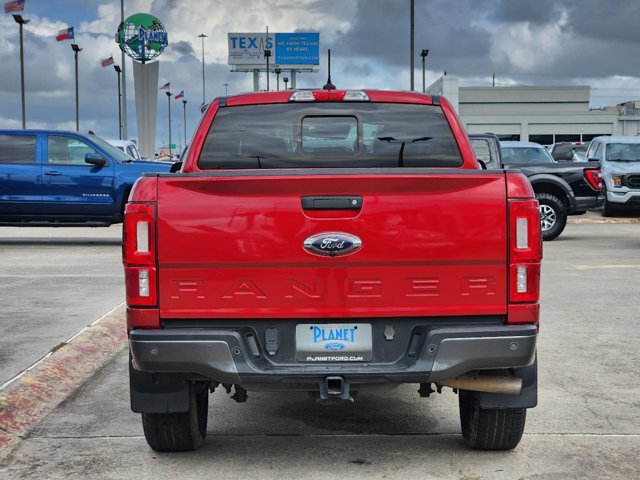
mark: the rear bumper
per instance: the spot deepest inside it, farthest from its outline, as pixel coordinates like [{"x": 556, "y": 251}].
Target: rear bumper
[
  {"x": 225, "y": 356},
  {"x": 586, "y": 203}
]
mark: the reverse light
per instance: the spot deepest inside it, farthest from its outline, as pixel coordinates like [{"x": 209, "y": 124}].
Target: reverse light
[
  {"x": 616, "y": 180},
  {"x": 522, "y": 233},
  {"x": 521, "y": 279},
  {"x": 143, "y": 283},
  {"x": 142, "y": 237}
]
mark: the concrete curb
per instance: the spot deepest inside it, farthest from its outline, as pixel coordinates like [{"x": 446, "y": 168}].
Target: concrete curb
[{"x": 27, "y": 400}]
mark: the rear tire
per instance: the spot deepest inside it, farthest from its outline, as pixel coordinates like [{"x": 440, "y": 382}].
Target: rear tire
[
  {"x": 489, "y": 428},
  {"x": 179, "y": 432},
  {"x": 553, "y": 215}
]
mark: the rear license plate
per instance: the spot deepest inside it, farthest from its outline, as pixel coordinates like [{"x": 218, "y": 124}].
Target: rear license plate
[{"x": 334, "y": 342}]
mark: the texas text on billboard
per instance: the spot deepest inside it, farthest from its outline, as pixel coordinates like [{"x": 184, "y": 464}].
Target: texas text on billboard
[{"x": 287, "y": 49}]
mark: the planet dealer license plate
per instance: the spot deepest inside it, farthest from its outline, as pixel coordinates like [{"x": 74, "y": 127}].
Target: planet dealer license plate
[{"x": 334, "y": 342}]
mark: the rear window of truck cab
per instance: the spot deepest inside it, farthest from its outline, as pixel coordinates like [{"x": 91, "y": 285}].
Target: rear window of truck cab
[{"x": 333, "y": 135}]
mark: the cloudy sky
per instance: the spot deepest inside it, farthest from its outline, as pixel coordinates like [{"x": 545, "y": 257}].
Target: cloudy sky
[{"x": 542, "y": 42}]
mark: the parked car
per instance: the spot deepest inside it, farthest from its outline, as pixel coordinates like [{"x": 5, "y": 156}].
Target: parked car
[
  {"x": 562, "y": 188},
  {"x": 620, "y": 159},
  {"x": 127, "y": 146},
  {"x": 568, "y": 151},
  {"x": 333, "y": 242},
  {"x": 60, "y": 178}
]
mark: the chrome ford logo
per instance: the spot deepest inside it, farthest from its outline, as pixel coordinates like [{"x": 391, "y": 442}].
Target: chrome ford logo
[
  {"x": 332, "y": 244},
  {"x": 334, "y": 347}
]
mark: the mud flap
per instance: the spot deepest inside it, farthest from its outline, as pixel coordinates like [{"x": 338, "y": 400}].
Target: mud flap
[
  {"x": 527, "y": 399},
  {"x": 158, "y": 392}
]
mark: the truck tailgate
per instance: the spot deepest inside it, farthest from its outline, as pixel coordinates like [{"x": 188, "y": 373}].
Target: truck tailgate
[{"x": 231, "y": 245}]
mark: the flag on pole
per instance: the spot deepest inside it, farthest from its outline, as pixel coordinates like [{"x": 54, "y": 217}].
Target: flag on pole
[
  {"x": 180, "y": 95},
  {"x": 65, "y": 34},
  {"x": 14, "y": 6},
  {"x": 166, "y": 86},
  {"x": 107, "y": 61}
]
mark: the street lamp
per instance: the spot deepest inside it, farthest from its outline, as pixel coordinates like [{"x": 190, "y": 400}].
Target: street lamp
[
  {"x": 21, "y": 21},
  {"x": 76, "y": 49},
  {"x": 424, "y": 54},
  {"x": 226, "y": 89},
  {"x": 184, "y": 112},
  {"x": 411, "y": 36},
  {"x": 169, "y": 103},
  {"x": 267, "y": 54},
  {"x": 285, "y": 80},
  {"x": 278, "y": 72},
  {"x": 202, "y": 36},
  {"x": 118, "y": 72}
]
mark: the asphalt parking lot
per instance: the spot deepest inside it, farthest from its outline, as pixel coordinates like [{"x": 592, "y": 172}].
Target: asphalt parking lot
[{"x": 587, "y": 423}]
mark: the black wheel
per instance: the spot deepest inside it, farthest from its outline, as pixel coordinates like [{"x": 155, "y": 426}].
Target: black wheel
[
  {"x": 553, "y": 215},
  {"x": 609, "y": 210},
  {"x": 489, "y": 428},
  {"x": 179, "y": 432}
]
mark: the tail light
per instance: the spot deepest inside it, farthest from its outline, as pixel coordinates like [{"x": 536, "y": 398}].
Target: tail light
[
  {"x": 525, "y": 252},
  {"x": 594, "y": 178},
  {"x": 139, "y": 254}
]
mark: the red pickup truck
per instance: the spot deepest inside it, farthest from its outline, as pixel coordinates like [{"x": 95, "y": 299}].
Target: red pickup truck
[{"x": 332, "y": 242}]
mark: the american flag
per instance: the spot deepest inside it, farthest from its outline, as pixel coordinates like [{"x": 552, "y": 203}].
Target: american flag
[
  {"x": 107, "y": 61},
  {"x": 14, "y": 6}
]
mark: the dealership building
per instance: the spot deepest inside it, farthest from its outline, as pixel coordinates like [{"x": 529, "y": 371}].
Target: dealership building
[{"x": 541, "y": 114}]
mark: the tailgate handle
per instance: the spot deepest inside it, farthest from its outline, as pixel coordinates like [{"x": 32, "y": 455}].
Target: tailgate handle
[{"x": 333, "y": 202}]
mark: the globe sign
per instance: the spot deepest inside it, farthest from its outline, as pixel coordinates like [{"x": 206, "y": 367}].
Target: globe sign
[{"x": 142, "y": 37}]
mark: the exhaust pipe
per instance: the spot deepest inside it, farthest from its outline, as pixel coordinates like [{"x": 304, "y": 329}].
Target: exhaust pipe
[{"x": 506, "y": 385}]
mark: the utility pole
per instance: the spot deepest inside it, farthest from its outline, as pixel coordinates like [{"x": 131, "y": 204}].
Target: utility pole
[
  {"x": 118, "y": 72},
  {"x": 76, "y": 49},
  {"x": 169, "y": 103},
  {"x": 124, "y": 82},
  {"x": 203, "y": 36},
  {"x": 411, "y": 42},
  {"x": 21, "y": 21},
  {"x": 184, "y": 112}
]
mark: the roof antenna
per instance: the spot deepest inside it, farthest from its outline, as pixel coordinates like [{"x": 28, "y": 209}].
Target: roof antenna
[{"x": 329, "y": 85}]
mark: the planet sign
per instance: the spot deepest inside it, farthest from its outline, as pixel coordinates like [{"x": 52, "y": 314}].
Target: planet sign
[{"x": 142, "y": 37}]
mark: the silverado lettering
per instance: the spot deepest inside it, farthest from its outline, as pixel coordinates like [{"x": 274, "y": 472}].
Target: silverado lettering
[{"x": 332, "y": 241}]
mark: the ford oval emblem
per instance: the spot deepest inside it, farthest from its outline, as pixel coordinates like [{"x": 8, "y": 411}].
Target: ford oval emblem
[
  {"x": 334, "y": 347},
  {"x": 332, "y": 244}
]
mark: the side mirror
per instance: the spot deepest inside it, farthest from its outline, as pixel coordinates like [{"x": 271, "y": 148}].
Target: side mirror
[
  {"x": 176, "y": 167},
  {"x": 95, "y": 159}
]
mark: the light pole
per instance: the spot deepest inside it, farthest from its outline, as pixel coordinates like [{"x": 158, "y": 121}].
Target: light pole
[
  {"x": 278, "y": 72},
  {"x": 184, "y": 113},
  {"x": 226, "y": 89},
  {"x": 169, "y": 103},
  {"x": 203, "y": 36},
  {"x": 21, "y": 21},
  {"x": 424, "y": 54},
  {"x": 411, "y": 43},
  {"x": 285, "y": 80},
  {"x": 118, "y": 72},
  {"x": 267, "y": 54},
  {"x": 76, "y": 49}
]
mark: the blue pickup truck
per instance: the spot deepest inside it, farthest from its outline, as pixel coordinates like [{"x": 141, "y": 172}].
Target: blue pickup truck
[{"x": 61, "y": 178}]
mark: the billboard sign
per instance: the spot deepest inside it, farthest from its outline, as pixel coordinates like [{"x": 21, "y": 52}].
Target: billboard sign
[{"x": 287, "y": 49}]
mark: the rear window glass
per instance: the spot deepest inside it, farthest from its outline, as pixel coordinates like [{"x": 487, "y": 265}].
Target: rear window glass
[
  {"x": 18, "y": 149},
  {"x": 329, "y": 135},
  {"x": 525, "y": 156}
]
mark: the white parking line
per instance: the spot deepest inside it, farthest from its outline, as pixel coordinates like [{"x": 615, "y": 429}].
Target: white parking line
[{"x": 606, "y": 267}]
